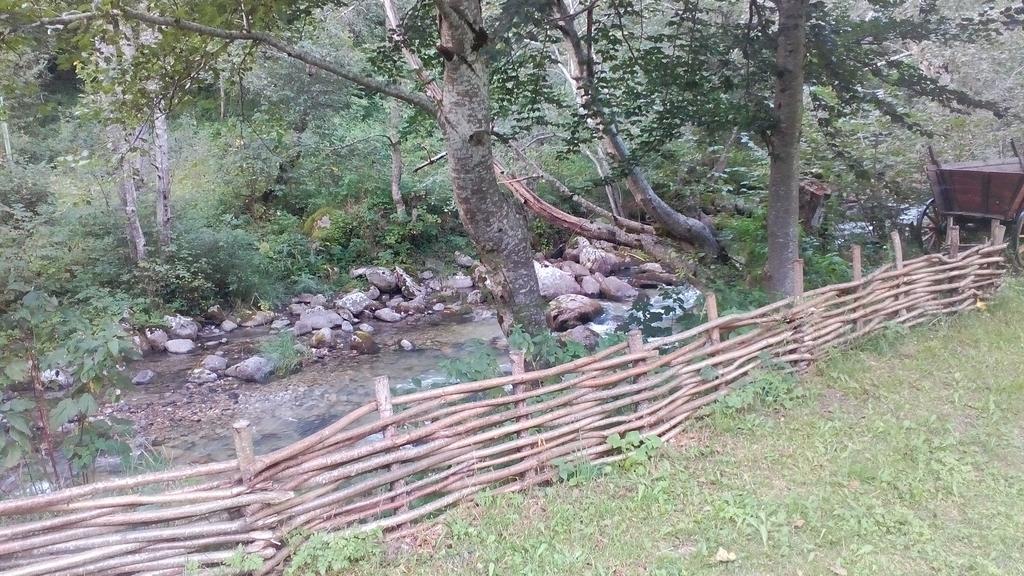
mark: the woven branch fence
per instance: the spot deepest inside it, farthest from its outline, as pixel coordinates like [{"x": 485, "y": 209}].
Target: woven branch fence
[{"x": 402, "y": 458}]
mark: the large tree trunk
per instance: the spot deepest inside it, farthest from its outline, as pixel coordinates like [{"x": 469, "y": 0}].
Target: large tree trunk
[
  {"x": 492, "y": 217},
  {"x": 394, "y": 121},
  {"x": 579, "y": 73},
  {"x": 124, "y": 147},
  {"x": 784, "y": 148},
  {"x": 162, "y": 163}
]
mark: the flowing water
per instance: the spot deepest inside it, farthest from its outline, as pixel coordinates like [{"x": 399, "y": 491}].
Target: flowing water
[{"x": 191, "y": 423}]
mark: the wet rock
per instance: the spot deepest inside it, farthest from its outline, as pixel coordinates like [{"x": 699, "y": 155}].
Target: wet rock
[
  {"x": 181, "y": 327},
  {"x": 143, "y": 377},
  {"x": 475, "y": 297},
  {"x": 414, "y": 306},
  {"x": 363, "y": 343},
  {"x": 157, "y": 339},
  {"x": 598, "y": 260},
  {"x": 395, "y": 301},
  {"x": 322, "y": 338},
  {"x": 260, "y": 318},
  {"x": 228, "y": 326},
  {"x": 464, "y": 260},
  {"x": 201, "y": 376},
  {"x": 215, "y": 314},
  {"x": 387, "y": 315},
  {"x": 591, "y": 287},
  {"x": 653, "y": 279},
  {"x": 346, "y": 326},
  {"x": 554, "y": 282},
  {"x": 302, "y": 328},
  {"x": 407, "y": 345},
  {"x": 209, "y": 332},
  {"x": 355, "y": 302},
  {"x": 574, "y": 268},
  {"x": 650, "y": 267},
  {"x": 373, "y": 294},
  {"x": 310, "y": 299},
  {"x": 459, "y": 282},
  {"x": 582, "y": 335},
  {"x": 439, "y": 307},
  {"x": 571, "y": 310},
  {"x": 252, "y": 369},
  {"x": 318, "y": 318},
  {"x": 280, "y": 323},
  {"x": 409, "y": 287},
  {"x": 364, "y": 327},
  {"x": 614, "y": 289},
  {"x": 214, "y": 363},
  {"x": 297, "y": 308},
  {"x": 382, "y": 279},
  {"x": 180, "y": 346}
]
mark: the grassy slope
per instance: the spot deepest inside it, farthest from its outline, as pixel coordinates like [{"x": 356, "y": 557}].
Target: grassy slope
[{"x": 905, "y": 456}]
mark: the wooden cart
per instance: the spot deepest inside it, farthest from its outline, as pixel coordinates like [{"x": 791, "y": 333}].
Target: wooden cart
[{"x": 974, "y": 196}]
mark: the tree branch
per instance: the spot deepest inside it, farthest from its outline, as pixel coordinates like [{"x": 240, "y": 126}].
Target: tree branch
[{"x": 368, "y": 83}]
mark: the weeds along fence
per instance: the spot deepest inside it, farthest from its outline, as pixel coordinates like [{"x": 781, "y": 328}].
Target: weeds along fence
[{"x": 399, "y": 459}]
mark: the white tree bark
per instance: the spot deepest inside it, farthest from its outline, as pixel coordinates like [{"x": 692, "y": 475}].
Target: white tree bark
[
  {"x": 161, "y": 157},
  {"x": 394, "y": 121},
  {"x": 126, "y": 156}
]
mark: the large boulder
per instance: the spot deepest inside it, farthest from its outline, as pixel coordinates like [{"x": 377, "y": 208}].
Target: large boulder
[
  {"x": 363, "y": 343},
  {"x": 201, "y": 376},
  {"x": 554, "y": 282},
  {"x": 260, "y": 318},
  {"x": 598, "y": 260},
  {"x": 252, "y": 369},
  {"x": 215, "y": 314},
  {"x": 614, "y": 289},
  {"x": 382, "y": 279},
  {"x": 179, "y": 326},
  {"x": 297, "y": 308},
  {"x": 582, "y": 335},
  {"x": 180, "y": 346},
  {"x": 464, "y": 261},
  {"x": 322, "y": 338},
  {"x": 310, "y": 299},
  {"x": 317, "y": 318},
  {"x": 409, "y": 287},
  {"x": 591, "y": 287},
  {"x": 415, "y": 306},
  {"x": 576, "y": 269},
  {"x": 571, "y": 310},
  {"x": 228, "y": 326},
  {"x": 355, "y": 302},
  {"x": 157, "y": 339},
  {"x": 387, "y": 315},
  {"x": 649, "y": 279},
  {"x": 301, "y": 328},
  {"x": 459, "y": 282},
  {"x": 214, "y": 363}
]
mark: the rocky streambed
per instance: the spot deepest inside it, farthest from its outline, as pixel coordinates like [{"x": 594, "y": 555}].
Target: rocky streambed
[{"x": 199, "y": 375}]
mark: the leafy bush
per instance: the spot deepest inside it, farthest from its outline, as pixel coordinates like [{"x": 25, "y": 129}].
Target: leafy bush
[{"x": 328, "y": 554}]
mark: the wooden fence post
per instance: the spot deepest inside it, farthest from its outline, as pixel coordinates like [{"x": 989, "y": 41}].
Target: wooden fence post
[
  {"x": 897, "y": 249},
  {"x": 798, "y": 277},
  {"x": 635, "y": 344},
  {"x": 711, "y": 304},
  {"x": 518, "y": 358},
  {"x": 385, "y": 409},
  {"x": 954, "y": 239},
  {"x": 244, "y": 451},
  {"x": 856, "y": 264},
  {"x": 998, "y": 232}
]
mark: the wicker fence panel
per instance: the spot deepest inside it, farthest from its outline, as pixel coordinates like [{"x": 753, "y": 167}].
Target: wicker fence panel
[{"x": 430, "y": 449}]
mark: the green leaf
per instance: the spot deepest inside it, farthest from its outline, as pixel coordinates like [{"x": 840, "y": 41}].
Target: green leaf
[
  {"x": 17, "y": 405},
  {"x": 63, "y": 412},
  {"x": 708, "y": 373},
  {"x": 16, "y": 371},
  {"x": 87, "y": 404}
]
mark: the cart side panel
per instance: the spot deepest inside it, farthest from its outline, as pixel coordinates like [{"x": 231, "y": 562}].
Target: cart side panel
[
  {"x": 965, "y": 191},
  {"x": 939, "y": 190},
  {"x": 1013, "y": 185}
]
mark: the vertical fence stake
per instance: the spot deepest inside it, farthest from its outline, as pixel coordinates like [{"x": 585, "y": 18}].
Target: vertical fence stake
[
  {"x": 897, "y": 249},
  {"x": 635, "y": 343},
  {"x": 798, "y": 277},
  {"x": 244, "y": 451},
  {"x": 856, "y": 264},
  {"x": 998, "y": 232},
  {"x": 711, "y": 303},
  {"x": 385, "y": 409},
  {"x": 518, "y": 358},
  {"x": 954, "y": 240}
]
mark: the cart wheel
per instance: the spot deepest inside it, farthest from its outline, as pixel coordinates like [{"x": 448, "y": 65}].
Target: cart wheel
[
  {"x": 931, "y": 230},
  {"x": 1016, "y": 242}
]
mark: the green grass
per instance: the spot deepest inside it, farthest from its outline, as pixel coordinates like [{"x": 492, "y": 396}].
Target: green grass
[{"x": 905, "y": 456}]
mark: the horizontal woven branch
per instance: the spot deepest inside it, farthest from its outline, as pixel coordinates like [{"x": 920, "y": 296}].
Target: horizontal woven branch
[{"x": 396, "y": 460}]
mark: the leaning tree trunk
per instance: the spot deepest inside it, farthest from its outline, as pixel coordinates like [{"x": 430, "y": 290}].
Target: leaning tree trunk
[
  {"x": 580, "y": 74},
  {"x": 125, "y": 152},
  {"x": 162, "y": 164},
  {"x": 784, "y": 148},
  {"x": 494, "y": 220},
  {"x": 394, "y": 121}
]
